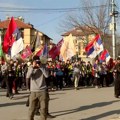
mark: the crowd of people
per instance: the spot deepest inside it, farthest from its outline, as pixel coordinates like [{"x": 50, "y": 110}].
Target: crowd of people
[
  {"x": 72, "y": 73},
  {"x": 81, "y": 73},
  {"x": 39, "y": 78}
]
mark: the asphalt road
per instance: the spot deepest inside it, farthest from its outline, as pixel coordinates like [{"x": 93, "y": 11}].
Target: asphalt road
[{"x": 69, "y": 104}]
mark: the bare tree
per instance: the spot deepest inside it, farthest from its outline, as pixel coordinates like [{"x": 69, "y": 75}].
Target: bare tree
[
  {"x": 93, "y": 15},
  {"x": 98, "y": 16},
  {"x": 71, "y": 21}
]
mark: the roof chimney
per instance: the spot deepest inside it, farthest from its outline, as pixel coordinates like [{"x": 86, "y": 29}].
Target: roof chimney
[{"x": 7, "y": 17}]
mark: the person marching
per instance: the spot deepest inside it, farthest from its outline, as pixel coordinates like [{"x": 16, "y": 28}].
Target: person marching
[
  {"x": 76, "y": 75},
  {"x": 110, "y": 66},
  {"x": 117, "y": 78},
  {"x": 10, "y": 79},
  {"x": 96, "y": 69},
  {"x": 103, "y": 75}
]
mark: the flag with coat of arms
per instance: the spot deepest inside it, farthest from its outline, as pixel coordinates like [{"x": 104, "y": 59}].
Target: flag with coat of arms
[
  {"x": 13, "y": 42},
  {"x": 94, "y": 47}
]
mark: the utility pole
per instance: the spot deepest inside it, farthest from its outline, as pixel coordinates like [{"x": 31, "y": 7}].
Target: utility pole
[
  {"x": 113, "y": 30},
  {"x": 113, "y": 14}
]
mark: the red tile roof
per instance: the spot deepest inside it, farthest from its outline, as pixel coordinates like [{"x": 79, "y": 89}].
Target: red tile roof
[{"x": 4, "y": 24}]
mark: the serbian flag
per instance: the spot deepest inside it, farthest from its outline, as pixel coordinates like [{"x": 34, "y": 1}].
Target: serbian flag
[
  {"x": 94, "y": 47},
  {"x": 104, "y": 56},
  {"x": 12, "y": 42},
  {"x": 26, "y": 52},
  {"x": 55, "y": 50},
  {"x": 45, "y": 51},
  {"x": 39, "y": 52}
]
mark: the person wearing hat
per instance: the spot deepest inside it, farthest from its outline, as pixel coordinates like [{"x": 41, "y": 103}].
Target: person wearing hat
[
  {"x": 38, "y": 88},
  {"x": 117, "y": 78}
]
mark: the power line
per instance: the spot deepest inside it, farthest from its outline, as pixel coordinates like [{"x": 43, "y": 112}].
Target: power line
[
  {"x": 51, "y": 20},
  {"x": 16, "y": 9}
]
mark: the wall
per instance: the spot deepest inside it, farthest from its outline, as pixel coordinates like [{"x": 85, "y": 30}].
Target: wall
[{"x": 26, "y": 37}]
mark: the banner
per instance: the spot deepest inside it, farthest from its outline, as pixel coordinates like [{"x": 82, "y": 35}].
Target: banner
[
  {"x": 55, "y": 50},
  {"x": 68, "y": 49},
  {"x": 26, "y": 52}
]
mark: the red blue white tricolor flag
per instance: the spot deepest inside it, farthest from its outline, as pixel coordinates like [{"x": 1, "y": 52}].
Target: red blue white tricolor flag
[
  {"x": 13, "y": 42},
  {"x": 94, "y": 47},
  {"x": 45, "y": 51},
  {"x": 104, "y": 56}
]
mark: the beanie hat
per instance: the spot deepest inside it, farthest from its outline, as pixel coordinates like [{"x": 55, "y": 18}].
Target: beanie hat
[{"x": 36, "y": 58}]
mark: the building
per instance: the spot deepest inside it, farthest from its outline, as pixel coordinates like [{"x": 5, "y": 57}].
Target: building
[{"x": 28, "y": 31}]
